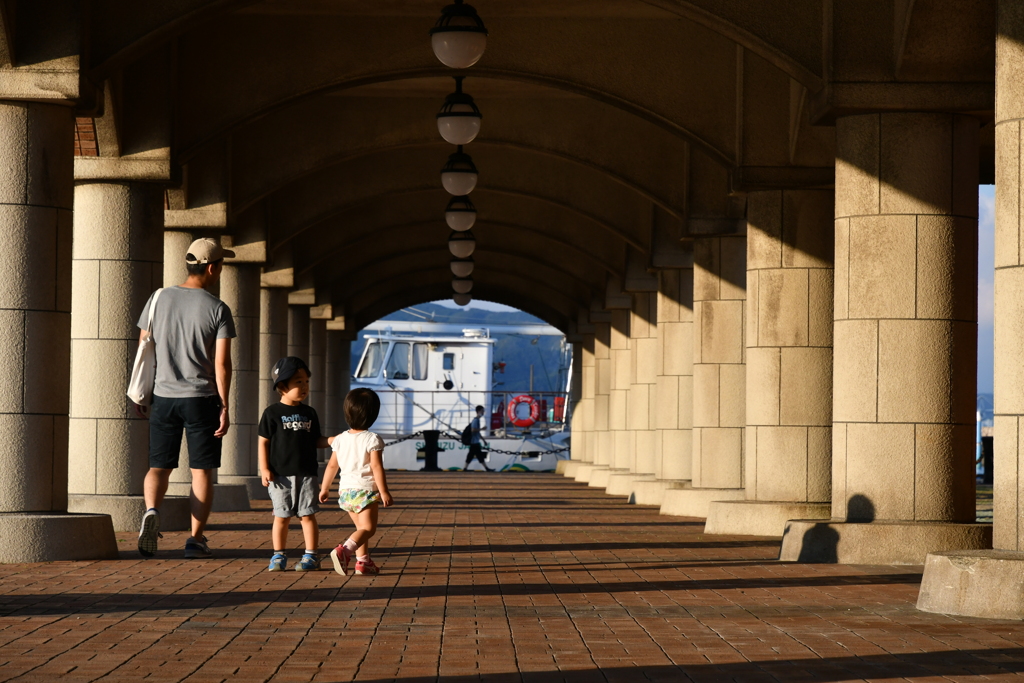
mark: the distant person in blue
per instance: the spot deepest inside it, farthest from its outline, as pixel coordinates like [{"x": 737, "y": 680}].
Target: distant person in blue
[{"x": 475, "y": 449}]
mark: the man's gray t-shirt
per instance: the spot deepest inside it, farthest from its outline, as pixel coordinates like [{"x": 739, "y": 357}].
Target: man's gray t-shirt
[
  {"x": 186, "y": 326},
  {"x": 478, "y": 424}
]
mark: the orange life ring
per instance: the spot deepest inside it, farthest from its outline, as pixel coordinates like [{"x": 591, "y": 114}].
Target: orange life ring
[{"x": 513, "y": 414}]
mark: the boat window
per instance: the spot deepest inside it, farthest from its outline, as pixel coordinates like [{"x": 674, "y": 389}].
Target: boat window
[
  {"x": 449, "y": 361},
  {"x": 373, "y": 359},
  {"x": 398, "y": 364},
  {"x": 419, "y": 361}
]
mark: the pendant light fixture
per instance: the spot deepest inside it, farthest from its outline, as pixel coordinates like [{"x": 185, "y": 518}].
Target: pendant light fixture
[
  {"x": 458, "y": 122},
  {"x": 459, "y": 174},
  {"x": 461, "y": 244},
  {"x": 459, "y": 36},
  {"x": 462, "y": 267},
  {"x": 461, "y": 299},
  {"x": 460, "y": 214},
  {"x": 462, "y": 285}
]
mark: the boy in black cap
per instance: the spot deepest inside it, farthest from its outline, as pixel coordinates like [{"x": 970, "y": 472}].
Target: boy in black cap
[{"x": 289, "y": 435}]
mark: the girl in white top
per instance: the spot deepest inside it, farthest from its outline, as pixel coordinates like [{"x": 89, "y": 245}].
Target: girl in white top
[{"x": 357, "y": 456}]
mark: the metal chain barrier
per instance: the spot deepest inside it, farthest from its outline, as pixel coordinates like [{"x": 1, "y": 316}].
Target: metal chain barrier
[
  {"x": 404, "y": 438},
  {"x": 498, "y": 450}
]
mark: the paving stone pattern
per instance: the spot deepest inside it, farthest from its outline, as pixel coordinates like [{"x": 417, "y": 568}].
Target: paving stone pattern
[{"x": 494, "y": 578}]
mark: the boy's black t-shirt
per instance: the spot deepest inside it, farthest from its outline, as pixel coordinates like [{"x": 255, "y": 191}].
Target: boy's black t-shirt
[{"x": 293, "y": 432}]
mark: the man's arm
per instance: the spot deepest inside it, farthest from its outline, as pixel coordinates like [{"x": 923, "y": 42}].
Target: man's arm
[{"x": 222, "y": 367}]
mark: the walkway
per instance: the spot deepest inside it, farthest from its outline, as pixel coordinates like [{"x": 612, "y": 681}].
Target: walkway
[{"x": 494, "y": 578}]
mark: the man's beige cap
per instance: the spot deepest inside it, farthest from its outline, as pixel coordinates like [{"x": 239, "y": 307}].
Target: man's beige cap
[{"x": 206, "y": 250}]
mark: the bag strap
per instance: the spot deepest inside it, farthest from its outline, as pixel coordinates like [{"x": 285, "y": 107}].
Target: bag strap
[{"x": 152, "y": 307}]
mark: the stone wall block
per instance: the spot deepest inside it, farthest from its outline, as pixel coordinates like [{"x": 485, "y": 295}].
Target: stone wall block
[
  {"x": 706, "y": 392},
  {"x": 617, "y": 409},
  {"x": 841, "y": 276},
  {"x": 721, "y": 332},
  {"x": 946, "y": 249},
  {"x": 14, "y": 148},
  {"x": 601, "y": 406},
  {"x": 883, "y": 254},
  {"x": 706, "y": 269},
  {"x": 677, "y": 348},
  {"x": 1009, "y": 342},
  {"x": 734, "y": 268},
  {"x": 764, "y": 368},
  {"x": 618, "y": 330},
  {"x": 624, "y": 453},
  {"x": 698, "y": 333},
  {"x": 622, "y": 364},
  {"x": 733, "y": 396},
  {"x": 781, "y": 457},
  {"x": 82, "y": 446},
  {"x": 819, "y": 464},
  {"x": 668, "y": 295},
  {"x": 805, "y": 241},
  {"x": 782, "y": 304},
  {"x": 85, "y": 305},
  {"x": 49, "y": 179},
  {"x": 966, "y": 133},
  {"x": 857, "y": 166},
  {"x": 1007, "y": 493},
  {"x": 646, "y": 360},
  {"x": 121, "y": 476},
  {"x": 244, "y": 353},
  {"x": 802, "y": 369},
  {"x": 915, "y": 172},
  {"x": 918, "y": 349},
  {"x": 603, "y": 375},
  {"x": 839, "y": 459},
  {"x": 12, "y": 360},
  {"x": 298, "y": 332},
  {"x": 1008, "y": 245},
  {"x": 645, "y": 449},
  {"x": 48, "y": 362},
  {"x": 751, "y": 316},
  {"x": 666, "y": 403},
  {"x": 764, "y": 230},
  {"x": 677, "y": 453},
  {"x": 99, "y": 363},
  {"x": 30, "y": 255},
  {"x": 686, "y": 402},
  {"x": 945, "y": 456},
  {"x": 856, "y": 371},
  {"x": 878, "y": 448},
  {"x": 107, "y": 209},
  {"x": 62, "y": 284},
  {"x": 30, "y": 463},
  {"x": 820, "y": 301},
  {"x": 639, "y": 407},
  {"x": 121, "y": 298},
  {"x": 721, "y": 472}
]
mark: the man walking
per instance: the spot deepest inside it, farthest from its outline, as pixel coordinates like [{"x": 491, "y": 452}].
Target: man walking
[
  {"x": 475, "y": 449},
  {"x": 192, "y": 330}
]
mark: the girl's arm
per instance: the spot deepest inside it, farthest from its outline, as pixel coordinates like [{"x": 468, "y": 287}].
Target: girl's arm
[
  {"x": 266, "y": 476},
  {"x": 330, "y": 472},
  {"x": 377, "y": 467}
]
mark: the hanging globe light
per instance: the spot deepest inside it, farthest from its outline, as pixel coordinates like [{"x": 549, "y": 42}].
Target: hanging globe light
[
  {"x": 461, "y": 244},
  {"x": 459, "y": 37},
  {"x": 459, "y": 174},
  {"x": 462, "y": 267},
  {"x": 462, "y": 285},
  {"x": 461, "y": 299},
  {"x": 460, "y": 214},
  {"x": 458, "y": 122}
]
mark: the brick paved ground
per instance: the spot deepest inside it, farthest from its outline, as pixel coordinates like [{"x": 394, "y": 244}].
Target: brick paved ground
[{"x": 502, "y": 577}]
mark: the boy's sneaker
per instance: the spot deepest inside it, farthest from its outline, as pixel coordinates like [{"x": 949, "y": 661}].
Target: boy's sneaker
[
  {"x": 341, "y": 556},
  {"x": 149, "y": 533},
  {"x": 278, "y": 562},
  {"x": 367, "y": 567},
  {"x": 196, "y": 548},
  {"x": 308, "y": 563}
]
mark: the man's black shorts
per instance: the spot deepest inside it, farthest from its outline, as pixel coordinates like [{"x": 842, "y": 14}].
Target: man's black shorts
[{"x": 198, "y": 417}]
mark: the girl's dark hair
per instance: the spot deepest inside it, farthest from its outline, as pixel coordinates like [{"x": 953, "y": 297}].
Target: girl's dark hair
[{"x": 362, "y": 406}]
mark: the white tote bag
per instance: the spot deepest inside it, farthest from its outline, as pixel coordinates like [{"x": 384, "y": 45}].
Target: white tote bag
[{"x": 140, "y": 386}]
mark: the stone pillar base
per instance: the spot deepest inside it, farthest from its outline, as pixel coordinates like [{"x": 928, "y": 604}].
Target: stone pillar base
[
  {"x": 126, "y": 511},
  {"x": 54, "y": 536},
  {"x": 652, "y": 492},
  {"x": 586, "y": 470},
  {"x": 979, "y": 583},
  {"x": 623, "y": 483},
  {"x": 599, "y": 477},
  {"x": 897, "y": 542},
  {"x": 568, "y": 467},
  {"x": 690, "y": 502},
  {"x": 226, "y": 497},
  {"x": 254, "y": 485},
  {"x": 760, "y": 518}
]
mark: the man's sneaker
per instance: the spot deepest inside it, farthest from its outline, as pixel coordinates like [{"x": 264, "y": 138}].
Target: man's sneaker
[
  {"x": 367, "y": 567},
  {"x": 196, "y": 548},
  {"x": 341, "y": 556},
  {"x": 308, "y": 563},
  {"x": 278, "y": 562},
  {"x": 149, "y": 533}
]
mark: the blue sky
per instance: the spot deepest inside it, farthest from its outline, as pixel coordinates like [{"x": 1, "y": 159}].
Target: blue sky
[{"x": 986, "y": 276}]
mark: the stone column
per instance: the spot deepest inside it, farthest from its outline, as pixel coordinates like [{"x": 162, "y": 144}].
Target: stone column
[
  {"x": 240, "y": 290},
  {"x": 274, "y": 316},
  {"x": 719, "y": 376},
  {"x": 905, "y": 343},
  {"x": 984, "y": 583},
  {"x": 338, "y": 371},
  {"x": 599, "y": 438},
  {"x": 789, "y": 365},
  {"x": 583, "y": 412},
  {"x": 36, "y": 198},
  {"x": 643, "y": 376},
  {"x": 672, "y": 410},
  {"x": 318, "y": 374},
  {"x": 298, "y": 332},
  {"x": 117, "y": 264},
  {"x": 619, "y": 441}
]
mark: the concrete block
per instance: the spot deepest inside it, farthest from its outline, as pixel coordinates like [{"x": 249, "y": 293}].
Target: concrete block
[
  {"x": 706, "y": 268},
  {"x": 98, "y": 363},
  {"x": 624, "y": 449},
  {"x": 751, "y": 316},
  {"x": 946, "y": 269},
  {"x": 126, "y": 511},
  {"x": 567, "y": 468},
  {"x": 721, "y": 458},
  {"x": 603, "y": 374},
  {"x": 1007, "y": 532},
  {"x": 988, "y": 584},
  {"x": 839, "y": 458},
  {"x": 122, "y": 447},
  {"x": 764, "y": 230},
  {"x": 706, "y": 389},
  {"x": 819, "y": 463},
  {"x": 85, "y": 300},
  {"x": 764, "y": 366},
  {"x": 879, "y": 542},
  {"x": 622, "y": 368},
  {"x": 230, "y": 498},
  {"x": 82, "y": 455},
  {"x": 698, "y": 334},
  {"x": 944, "y": 473},
  {"x": 600, "y": 477},
  {"x": 601, "y": 407},
  {"x": 782, "y": 306},
  {"x": 916, "y": 166},
  {"x": 676, "y": 454},
  {"x": 857, "y": 165},
  {"x": 820, "y": 302},
  {"x": 807, "y": 241},
  {"x": 639, "y": 407},
  {"x": 695, "y": 502},
  {"x": 1009, "y": 342},
  {"x": 876, "y": 448},
  {"x": 647, "y": 455},
  {"x": 586, "y": 471},
  {"x": 652, "y": 491},
  {"x": 685, "y": 402},
  {"x": 855, "y": 360},
  {"x": 31, "y": 283},
  {"x": 29, "y": 459},
  {"x": 48, "y": 362},
  {"x": 1007, "y": 200},
  {"x": 617, "y": 409},
  {"x": 759, "y": 518},
  {"x": 53, "y": 537},
  {"x": 914, "y": 369},
  {"x": 733, "y": 395},
  {"x": 734, "y": 268},
  {"x": 646, "y": 360},
  {"x": 883, "y": 254},
  {"x": 677, "y": 348},
  {"x": 622, "y": 484},
  {"x": 12, "y": 369},
  {"x": 721, "y": 329},
  {"x": 841, "y": 274},
  {"x": 781, "y": 457},
  {"x": 805, "y": 393}
]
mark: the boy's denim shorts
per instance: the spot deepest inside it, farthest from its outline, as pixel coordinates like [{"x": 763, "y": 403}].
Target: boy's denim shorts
[{"x": 294, "y": 496}]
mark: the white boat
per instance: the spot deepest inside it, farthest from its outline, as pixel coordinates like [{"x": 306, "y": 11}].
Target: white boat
[{"x": 432, "y": 376}]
